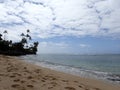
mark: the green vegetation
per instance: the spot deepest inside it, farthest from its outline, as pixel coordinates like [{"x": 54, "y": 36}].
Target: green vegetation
[{"x": 18, "y": 48}]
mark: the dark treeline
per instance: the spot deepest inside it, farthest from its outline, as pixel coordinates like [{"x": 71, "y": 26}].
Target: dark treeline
[{"x": 7, "y": 47}]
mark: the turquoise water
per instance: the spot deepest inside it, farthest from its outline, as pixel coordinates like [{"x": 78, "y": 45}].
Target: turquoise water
[{"x": 99, "y": 66}]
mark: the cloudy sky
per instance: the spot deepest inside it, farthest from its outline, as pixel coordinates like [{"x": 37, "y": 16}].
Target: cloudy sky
[{"x": 64, "y": 26}]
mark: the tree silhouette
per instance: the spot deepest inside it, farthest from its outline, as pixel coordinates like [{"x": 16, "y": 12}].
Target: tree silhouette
[
  {"x": 5, "y": 32},
  {"x": 35, "y": 46},
  {"x": 22, "y": 35},
  {"x": 28, "y": 31},
  {"x": 28, "y": 34},
  {"x": 24, "y": 41},
  {"x": 0, "y": 37},
  {"x": 18, "y": 48},
  {"x": 25, "y": 38},
  {"x": 29, "y": 37}
]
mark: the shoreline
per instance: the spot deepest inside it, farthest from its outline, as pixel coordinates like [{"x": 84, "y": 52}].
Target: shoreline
[
  {"x": 16, "y": 74},
  {"x": 109, "y": 77}
]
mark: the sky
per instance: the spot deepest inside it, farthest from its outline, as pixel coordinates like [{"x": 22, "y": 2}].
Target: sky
[{"x": 64, "y": 26}]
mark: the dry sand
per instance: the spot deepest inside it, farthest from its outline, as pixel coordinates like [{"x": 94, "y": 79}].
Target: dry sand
[{"x": 19, "y": 75}]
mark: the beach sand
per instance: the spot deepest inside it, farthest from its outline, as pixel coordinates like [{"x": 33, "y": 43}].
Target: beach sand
[{"x": 17, "y": 74}]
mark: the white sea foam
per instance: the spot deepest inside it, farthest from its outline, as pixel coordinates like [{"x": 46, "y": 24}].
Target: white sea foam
[{"x": 75, "y": 70}]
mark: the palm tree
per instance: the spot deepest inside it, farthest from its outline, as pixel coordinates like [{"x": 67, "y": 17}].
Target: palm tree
[
  {"x": 24, "y": 40},
  {"x": 28, "y": 31},
  {"x": 22, "y": 35},
  {"x": 36, "y": 44},
  {"x": 5, "y": 32},
  {"x": 0, "y": 36},
  {"x": 28, "y": 36}
]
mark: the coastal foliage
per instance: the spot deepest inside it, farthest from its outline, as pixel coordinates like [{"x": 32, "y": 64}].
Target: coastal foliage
[{"x": 7, "y": 47}]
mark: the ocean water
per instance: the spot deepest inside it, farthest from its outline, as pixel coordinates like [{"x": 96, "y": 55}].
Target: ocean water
[{"x": 104, "y": 67}]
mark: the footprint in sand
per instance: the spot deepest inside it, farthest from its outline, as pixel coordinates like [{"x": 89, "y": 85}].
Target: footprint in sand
[
  {"x": 33, "y": 80},
  {"x": 43, "y": 80},
  {"x": 87, "y": 89},
  {"x": 43, "y": 85},
  {"x": 12, "y": 76},
  {"x": 37, "y": 70},
  {"x": 97, "y": 89},
  {"x": 65, "y": 80},
  {"x": 76, "y": 81},
  {"x": 30, "y": 86},
  {"x": 70, "y": 88},
  {"x": 17, "y": 74},
  {"x": 53, "y": 84},
  {"x": 15, "y": 85},
  {"x": 23, "y": 81},
  {"x": 80, "y": 86},
  {"x": 50, "y": 87},
  {"x": 29, "y": 77},
  {"x": 18, "y": 87},
  {"x": 49, "y": 78},
  {"x": 1, "y": 74},
  {"x": 27, "y": 71},
  {"x": 16, "y": 80},
  {"x": 11, "y": 69},
  {"x": 25, "y": 67}
]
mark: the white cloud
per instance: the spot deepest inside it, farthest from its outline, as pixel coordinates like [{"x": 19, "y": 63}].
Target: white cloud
[
  {"x": 53, "y": 44},
  {"x": 52, "y": 47},
  {"x": 50, "y": 18},
  {"x": 84, "y": 45}
]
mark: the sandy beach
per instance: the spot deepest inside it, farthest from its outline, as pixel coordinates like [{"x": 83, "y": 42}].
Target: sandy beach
[{"x": 17, "y": 74}]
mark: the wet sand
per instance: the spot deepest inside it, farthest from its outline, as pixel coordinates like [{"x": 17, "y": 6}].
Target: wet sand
[{"x": 16, "y": 74}]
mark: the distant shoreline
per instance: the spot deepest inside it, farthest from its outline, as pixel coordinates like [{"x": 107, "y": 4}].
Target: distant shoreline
[{"x": 73, "y": 54}]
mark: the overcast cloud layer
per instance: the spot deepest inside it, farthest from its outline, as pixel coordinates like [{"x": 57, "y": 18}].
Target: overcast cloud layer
[{"x": 50, "y": 18}]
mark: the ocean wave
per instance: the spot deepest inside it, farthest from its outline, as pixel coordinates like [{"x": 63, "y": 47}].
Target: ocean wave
[
  {"x": 79, "y": 71},
  {"x": 75, "y": 70}
]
